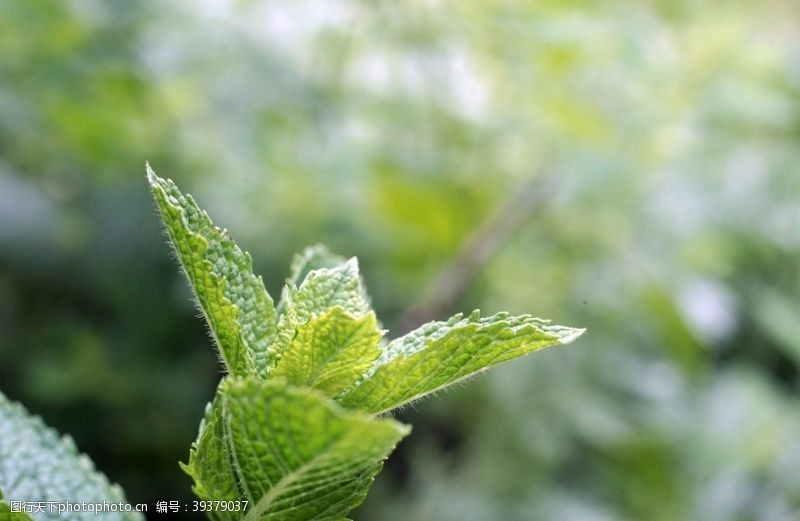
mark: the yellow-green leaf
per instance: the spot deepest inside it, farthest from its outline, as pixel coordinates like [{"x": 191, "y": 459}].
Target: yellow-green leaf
[
  {"x": 239, "y": 311},
  {"x": 331, "y": 352},
  {"x": 439, "y": 354}
]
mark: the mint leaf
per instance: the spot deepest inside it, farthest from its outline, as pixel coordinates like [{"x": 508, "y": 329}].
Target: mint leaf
[
  {"x": 210, "y": 465},
  {"x": 324, "y": 288},
  {"x": 331, "y": 351},
  {"x": 292, "y": 453},
  {"x": 38, "y": 465},
  {"x": 320, "y": 290},
  {"x": 439, "y": 354},
  {"x": 239, "y": 311},
  {"x": 312, "y": 258}
]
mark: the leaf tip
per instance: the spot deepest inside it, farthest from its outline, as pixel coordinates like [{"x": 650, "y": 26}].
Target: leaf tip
[
  {"x": 351, "y": 264},
  {"x": 570, "y": 334},
  {"x": 152, "y": 178}
]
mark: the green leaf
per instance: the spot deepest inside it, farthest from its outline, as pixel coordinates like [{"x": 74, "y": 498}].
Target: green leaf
[
  {"x": 293, "y": 454},
  {"x": 324, "y": 288},
  {"x": 239, "y": 311},
  {"x": 439, "y": 354},
  {"x": 321, "y": 290},
  {"x": 312, "y": 258},
  {"x": 210, "y": 464},
  {"x": 331, "y": 351},
  {"x": 38, "y": 465}
]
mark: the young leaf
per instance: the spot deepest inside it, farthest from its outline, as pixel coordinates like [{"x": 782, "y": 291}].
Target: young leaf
[
  {"x": 439, "y": 354},
  {"x": 321, "y": 290},
  {"x": 312, "y": 258},
  {"x": 293, "y": 454},
  {"x": 324, "y": 288},
  {"x": 37, "y": 465},
  {"x": 331, "y": 351},
  {"x": 239, "y": 311}
]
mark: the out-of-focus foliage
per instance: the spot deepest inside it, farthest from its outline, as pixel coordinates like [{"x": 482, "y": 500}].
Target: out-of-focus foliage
[
  {"x": 667, "y": 131},
  {"x": 39, "y": 466}
]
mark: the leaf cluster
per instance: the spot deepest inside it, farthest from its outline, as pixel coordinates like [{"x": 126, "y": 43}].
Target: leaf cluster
[{"x": 296, "y": 427}]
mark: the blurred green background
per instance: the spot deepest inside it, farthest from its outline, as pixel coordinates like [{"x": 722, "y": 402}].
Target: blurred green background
[{"x": 627, "y": 167}]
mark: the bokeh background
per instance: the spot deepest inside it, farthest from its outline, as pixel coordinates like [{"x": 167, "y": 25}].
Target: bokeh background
[{"x": 629, "y": 167}]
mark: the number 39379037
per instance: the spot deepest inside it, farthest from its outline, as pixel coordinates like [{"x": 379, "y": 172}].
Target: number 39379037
[{"x": 219, "y": 506}]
